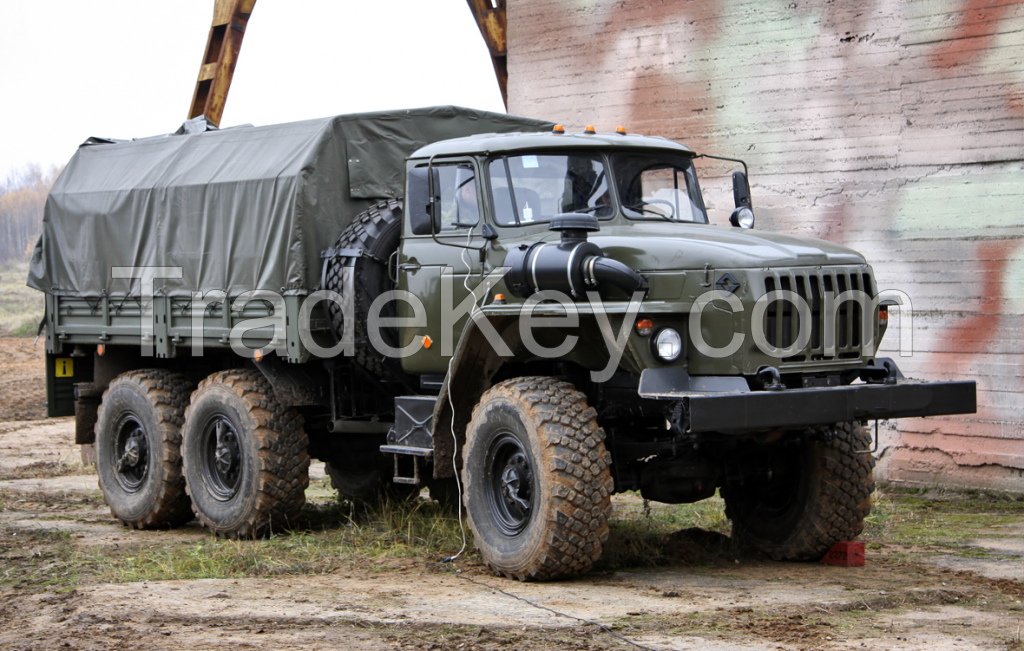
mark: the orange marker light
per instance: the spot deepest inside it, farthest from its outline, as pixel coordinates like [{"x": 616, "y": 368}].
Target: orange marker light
[
  {"x": 589, "y": 129},
  {"x": 644, "y": 327},
  {"x": 100, "y": 350},
  {"x": 258, "y": 355},
  {"x": 620, "y": 130},
  {"x": 559, "y": 129},
  {"x": 427, "y": 341}
]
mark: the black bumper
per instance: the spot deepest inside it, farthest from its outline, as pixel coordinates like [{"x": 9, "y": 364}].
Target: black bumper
[{"x": 744, "y": 410}]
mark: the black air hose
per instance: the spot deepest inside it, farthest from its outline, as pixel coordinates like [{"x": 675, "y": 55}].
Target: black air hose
[
  {"x": 606, "y": 271},
  {"x": 571, "y": 266}
]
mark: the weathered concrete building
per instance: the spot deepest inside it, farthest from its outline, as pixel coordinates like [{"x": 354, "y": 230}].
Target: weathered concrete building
[{"x": 894, "y": 127}]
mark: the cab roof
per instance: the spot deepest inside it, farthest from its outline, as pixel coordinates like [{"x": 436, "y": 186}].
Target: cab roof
[{"x": 496, "y": 143}]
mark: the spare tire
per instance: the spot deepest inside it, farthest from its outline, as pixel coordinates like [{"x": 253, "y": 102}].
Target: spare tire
[{"x": 375, "y": 233}]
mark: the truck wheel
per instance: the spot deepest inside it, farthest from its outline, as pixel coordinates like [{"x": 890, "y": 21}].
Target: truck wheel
[
  {"x": 818, "y": 495},
  {"x": 537, "y": 483},
  {"x": 138, "y": 449},
  {"x": 375, "y": 231},
  {"x": 367, "y": 483},
  {"x": 246, "y": 459}
]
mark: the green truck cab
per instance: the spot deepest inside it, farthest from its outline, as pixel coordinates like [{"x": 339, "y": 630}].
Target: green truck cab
[{"x": 520, "y": 319}]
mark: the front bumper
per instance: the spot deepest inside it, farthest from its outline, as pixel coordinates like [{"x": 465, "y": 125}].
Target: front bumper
[{"x": 725, "y": 405}]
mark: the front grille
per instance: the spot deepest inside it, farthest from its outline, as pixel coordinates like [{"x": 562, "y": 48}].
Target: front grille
[{"x": 782, "y": 319}]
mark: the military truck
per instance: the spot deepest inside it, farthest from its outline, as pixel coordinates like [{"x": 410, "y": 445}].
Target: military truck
[{"x": 514, "y": 316}]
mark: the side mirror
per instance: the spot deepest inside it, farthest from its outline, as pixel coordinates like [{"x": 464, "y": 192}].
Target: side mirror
[
  {"x": 424, "y": 210},
  {"x": 743, "y": 216}
]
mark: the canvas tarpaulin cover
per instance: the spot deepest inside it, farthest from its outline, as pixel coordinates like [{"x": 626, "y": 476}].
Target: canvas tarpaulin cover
[{"x": 236, "y": 209}]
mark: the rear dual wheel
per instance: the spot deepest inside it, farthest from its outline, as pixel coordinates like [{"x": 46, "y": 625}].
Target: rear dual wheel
[
  {"x": 229, "y": 445},
  {"x": 245, "y": 456},
  {"x": 138, "y": 441}
]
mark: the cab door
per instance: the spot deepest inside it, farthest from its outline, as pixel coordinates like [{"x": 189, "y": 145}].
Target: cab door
[{"x": 452, "y": 255}]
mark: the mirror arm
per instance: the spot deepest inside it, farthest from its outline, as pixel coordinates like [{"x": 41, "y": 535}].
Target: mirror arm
[
  {"x": 731, "y": 160},
  {"x": 746, "y": 173}
]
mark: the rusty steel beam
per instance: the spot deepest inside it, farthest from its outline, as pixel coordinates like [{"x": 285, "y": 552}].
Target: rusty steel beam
[
  {"x": 230, "y": 18},
  {"x": 490, "y": 18}
]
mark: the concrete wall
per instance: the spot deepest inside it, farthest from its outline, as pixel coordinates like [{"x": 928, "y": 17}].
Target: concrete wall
[{"x": 896, "y": 128}]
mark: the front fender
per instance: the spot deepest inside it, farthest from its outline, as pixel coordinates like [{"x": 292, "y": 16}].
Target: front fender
[{"x": 473, "y": 364}]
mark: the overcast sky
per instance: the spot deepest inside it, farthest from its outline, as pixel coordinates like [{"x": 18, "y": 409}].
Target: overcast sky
[{"x": 127, "y": 68}]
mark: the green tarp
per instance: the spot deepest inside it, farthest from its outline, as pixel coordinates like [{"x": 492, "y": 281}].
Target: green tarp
[{"x": 237, "y": 209}]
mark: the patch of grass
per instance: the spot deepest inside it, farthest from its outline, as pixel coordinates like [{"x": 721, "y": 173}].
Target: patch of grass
[
  {"x": 332, "y": 536},
  {"x": 326, "y": 538},
  {"x": 650, "y": 534},
  {"x": 943, "y": 518},
  {"x": 21, "y": 307},
  {"x": 33, "y": 559}
]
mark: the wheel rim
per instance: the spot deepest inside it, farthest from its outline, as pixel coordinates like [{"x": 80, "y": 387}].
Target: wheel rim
[
  {"x": 511, "y": 486},
  {"x": 222, "y": 458},
  {"x": 131, "y": 453}
]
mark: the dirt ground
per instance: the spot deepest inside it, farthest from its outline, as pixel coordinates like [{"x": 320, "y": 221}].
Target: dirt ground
[
  {"x": 944, "y": 571},
  {"x": 22, "y": 382}
]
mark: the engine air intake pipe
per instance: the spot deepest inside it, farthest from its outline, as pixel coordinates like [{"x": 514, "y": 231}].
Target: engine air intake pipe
[{"x": 571, "y": 266}]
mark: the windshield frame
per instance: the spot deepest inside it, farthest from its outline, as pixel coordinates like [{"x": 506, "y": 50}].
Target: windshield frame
[
  {"x": 597, "y": 155},
  {"x": 610, "y": 160},
  {"x": 671, "y": 160}
]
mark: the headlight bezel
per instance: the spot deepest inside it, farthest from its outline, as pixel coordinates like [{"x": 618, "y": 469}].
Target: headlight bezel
[{"x": 657, "y": 341}]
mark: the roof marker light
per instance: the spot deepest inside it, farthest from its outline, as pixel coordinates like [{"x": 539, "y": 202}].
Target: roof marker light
[
  {"x": 589, "y": 129},
  {"x": 620, "y": 130},
  {"x": 559, "y": 129}
]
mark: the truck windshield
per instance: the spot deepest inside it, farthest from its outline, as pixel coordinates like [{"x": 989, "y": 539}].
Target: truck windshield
[
  {"x": 653, "y": 186},
  {"x": 534, "y": 188}
]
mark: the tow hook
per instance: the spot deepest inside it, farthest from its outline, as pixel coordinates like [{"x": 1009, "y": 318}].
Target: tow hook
[{"x": 769, "y": 375}]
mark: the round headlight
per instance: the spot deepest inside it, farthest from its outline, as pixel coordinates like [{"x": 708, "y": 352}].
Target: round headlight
[
  {"x": 668, "y": 344},
  {"x": 742, "y": 217}
]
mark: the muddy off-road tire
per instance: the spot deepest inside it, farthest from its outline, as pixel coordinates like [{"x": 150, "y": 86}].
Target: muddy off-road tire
[
  {"x": 138, "y": 449},
  {"x": 536, "y": 480},
  {"x": 375, "y": 231},
  {"x": 246, "y": 460},
  {"x": 820, "y": 497}
]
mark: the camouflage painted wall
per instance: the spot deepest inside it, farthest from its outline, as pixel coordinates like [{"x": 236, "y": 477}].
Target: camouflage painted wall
[{"x": 894, "y": 127}]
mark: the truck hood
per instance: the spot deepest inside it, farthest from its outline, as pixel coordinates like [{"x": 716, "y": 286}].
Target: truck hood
[{"x": 659, "y": 247}]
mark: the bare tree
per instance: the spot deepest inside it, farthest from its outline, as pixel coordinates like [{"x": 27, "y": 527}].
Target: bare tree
[{"x": 22, "y": 197}]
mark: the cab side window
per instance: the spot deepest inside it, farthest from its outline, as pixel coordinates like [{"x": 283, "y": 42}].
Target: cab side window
[{"x": 455, "y": 191}]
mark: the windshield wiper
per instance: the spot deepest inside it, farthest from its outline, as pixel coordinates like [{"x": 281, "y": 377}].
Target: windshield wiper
[{"x": 641, "y": 208}]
